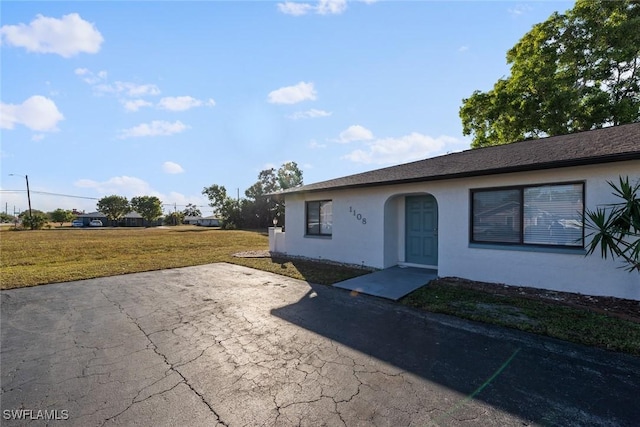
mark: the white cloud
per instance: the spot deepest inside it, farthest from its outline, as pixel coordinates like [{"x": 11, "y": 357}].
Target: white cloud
[
  {"x": 66, "y": 37},
  {"x": 37, "y": 137},
  {"x": 309, "y": 114},
  {"x": 129, "y": 186},
  {"x": 100, "y": 86},
  {"x": 313, "y": 144},
  {"x": 135, "y": 104},
  {"x": 295, "y": 9},
  {"x": 37, "y": 113},
  {"x": 155, "y": 128},
  {"x": 126, "y": 186},
  {"x": 414, "y": 146},
  {"x": 322, "y": 7},
  {"x": 293, "y": 94},
  {"x": 172, "y": 168},
  {"x": 519, "y": 9},
  {"x": 463, "y": 48},
  {"x": 331, "y": 7},
  {"x": 355, "y": 133},
  {"x": 182, "y": 103},
  {"x": 128, "y": 89}
]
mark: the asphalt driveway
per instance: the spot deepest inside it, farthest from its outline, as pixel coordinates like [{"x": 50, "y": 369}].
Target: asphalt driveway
[{"x": 228, "y": 345}]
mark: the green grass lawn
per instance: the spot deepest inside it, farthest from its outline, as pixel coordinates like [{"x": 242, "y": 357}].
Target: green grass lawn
[
  {"x": 30, "y": 258},
  {"x": 541, "y": 317}
]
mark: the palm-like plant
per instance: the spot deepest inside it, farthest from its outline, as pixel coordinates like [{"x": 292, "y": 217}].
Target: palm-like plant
[{"x": 615, "y": 228}]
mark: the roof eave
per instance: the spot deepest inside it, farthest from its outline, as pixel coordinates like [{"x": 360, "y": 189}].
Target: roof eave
[{"x": 497, "y": 171}]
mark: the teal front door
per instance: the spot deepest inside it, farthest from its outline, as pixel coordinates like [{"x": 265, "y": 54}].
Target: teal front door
[{"x": 421, "y": 230}]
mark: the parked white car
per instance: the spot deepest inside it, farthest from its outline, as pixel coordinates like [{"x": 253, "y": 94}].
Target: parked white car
[
  {"x": 95, "y": 223},
  {"x": 77, "y": 223}
]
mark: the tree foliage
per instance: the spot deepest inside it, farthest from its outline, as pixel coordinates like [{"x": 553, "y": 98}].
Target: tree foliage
[
  {"x": 114, "y": 207},
  {"x": 35, "y": 221},
  {"x": 149, "y": 207},
  {"x": 174, "y": 218},
  {"x": 191, "y": 210},
  {"x": 289, "y": 176},
  {"x": 61, "y": 216},
  {"x": 260, "y": 206},
  {"x": 576, "y": 71},
  {"x": 5, "y": 217},
  {"x": 226, "y": 208},
  {"x": 615, "y": 228}
]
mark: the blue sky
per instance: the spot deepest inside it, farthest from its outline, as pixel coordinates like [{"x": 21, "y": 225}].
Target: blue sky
[{"x": 164, "y": 98}]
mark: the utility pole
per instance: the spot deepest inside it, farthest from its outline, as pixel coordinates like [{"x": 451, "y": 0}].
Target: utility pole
[
  {"x": 26, "y": 177},
  {"x": 29, "y": 200}
]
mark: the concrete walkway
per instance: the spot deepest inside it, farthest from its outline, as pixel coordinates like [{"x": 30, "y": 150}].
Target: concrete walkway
[
  {"x": 225, "y": 345},
  {"x": 391, "y": 283}
]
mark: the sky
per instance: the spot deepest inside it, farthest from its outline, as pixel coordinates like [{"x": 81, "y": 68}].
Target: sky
[{"x": 165, "y": 98}]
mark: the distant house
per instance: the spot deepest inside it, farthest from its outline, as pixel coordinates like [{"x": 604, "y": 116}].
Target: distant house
[
  {"x": 86, "y": 218},
  {"x": 209, "y": 221},
  {"x": 132, "y": 219},
  {"x": 191, "y": 220},
  {"x": 505, "y": 214}
]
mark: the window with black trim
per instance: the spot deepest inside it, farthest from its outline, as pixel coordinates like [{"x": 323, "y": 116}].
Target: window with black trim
[
  {"x": 319, "y": 218},
  {"x": 546, "y": 215}
]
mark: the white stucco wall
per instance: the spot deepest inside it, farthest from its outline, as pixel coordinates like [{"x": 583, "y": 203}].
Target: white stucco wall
[{"x": 380, "y": 242}]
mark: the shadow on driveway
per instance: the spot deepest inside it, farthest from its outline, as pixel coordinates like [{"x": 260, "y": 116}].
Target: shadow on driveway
[{"x": 544, "y": 380}]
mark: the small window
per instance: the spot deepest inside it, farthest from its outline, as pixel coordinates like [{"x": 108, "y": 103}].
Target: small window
[
  {"x": 320, "y": 218},
  {"x": 548, "y": 215}
]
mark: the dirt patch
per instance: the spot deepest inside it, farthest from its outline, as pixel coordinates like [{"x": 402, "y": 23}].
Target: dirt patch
[
  {"x": 253, "y": 254},
  {"x": 623, "y": 308}
]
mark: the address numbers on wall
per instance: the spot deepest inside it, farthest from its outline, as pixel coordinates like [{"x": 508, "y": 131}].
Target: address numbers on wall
[{"x": 358, "y": 216}]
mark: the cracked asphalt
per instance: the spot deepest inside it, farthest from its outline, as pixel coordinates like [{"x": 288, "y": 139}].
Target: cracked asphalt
[{"x": 226, "y": 345}]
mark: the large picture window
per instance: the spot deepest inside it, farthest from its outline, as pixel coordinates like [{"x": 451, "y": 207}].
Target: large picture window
[
  {"x": 548, "y": 215},
  {"x": 320, "y": 218}
]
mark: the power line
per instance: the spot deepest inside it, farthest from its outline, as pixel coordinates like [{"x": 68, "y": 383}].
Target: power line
[{"x": 46, "y": 193}]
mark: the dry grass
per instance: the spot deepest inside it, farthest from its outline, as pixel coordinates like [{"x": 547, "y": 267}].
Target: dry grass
[{"x": 30, "y": 258}]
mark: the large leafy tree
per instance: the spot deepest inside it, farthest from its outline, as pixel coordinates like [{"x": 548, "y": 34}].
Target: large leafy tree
[
  {"x": 114, "y": 207},
  {"x": 261, "y": 208},
  {"x": 576, "y": 71},
  {"x": 61, "y": 216},
  {"x": 149, "y": 207},
  {"x": 225, "y": 207}
]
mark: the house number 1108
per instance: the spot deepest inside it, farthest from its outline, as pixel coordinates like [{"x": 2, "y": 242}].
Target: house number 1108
[{"x": 358, "y": 216}]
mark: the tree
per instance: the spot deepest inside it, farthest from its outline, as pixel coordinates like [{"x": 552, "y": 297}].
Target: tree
[
  {"x": 225, "y": 207},
  {"x": 289, "y": 176},
  {"x": 191, "y": 210},
  {"x": 217, "y": 195},
  {"x": 174, "y": 218},
  {"x": 5, "y": 217},
  {"x": 261, "y": 208},
  {"x": 114, "y": 207},
  {"x": 35, "y": 221},
  {"x": 149, "y": 207},
  {"x": 61, "y": 216},
  {"x": 615, "y": 228},
  {"x": 576, "y": 71}
]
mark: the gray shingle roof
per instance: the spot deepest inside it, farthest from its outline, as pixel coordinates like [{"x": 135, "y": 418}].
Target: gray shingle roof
[{"x": 615, "y": 143}]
